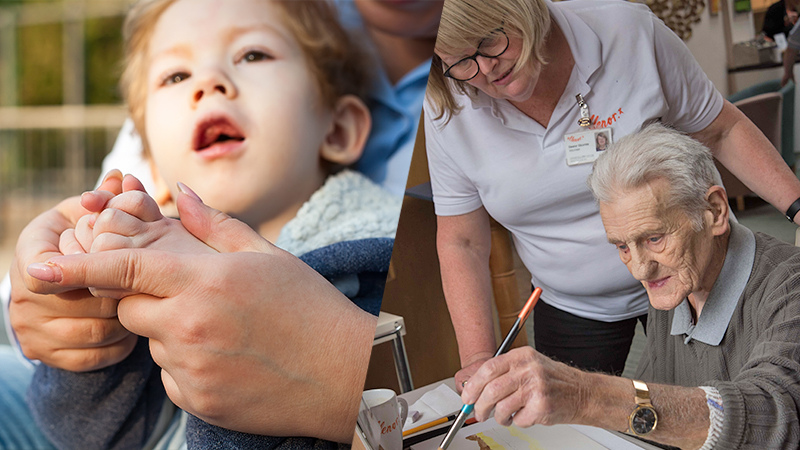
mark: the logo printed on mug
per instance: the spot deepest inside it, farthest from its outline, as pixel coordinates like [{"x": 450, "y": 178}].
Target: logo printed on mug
[
  {"x": 390, "y": 413},
  {"x": 388, "y": 428}
]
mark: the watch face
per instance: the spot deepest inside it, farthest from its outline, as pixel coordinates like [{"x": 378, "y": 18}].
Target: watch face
[{"x": 643, "y": 420}]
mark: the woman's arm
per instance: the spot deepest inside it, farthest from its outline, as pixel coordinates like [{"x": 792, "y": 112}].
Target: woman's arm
[
  {"x": 741, "y": 147},
  {"x": 463, "y": 243},
  {"x": 789, "y": 58}
]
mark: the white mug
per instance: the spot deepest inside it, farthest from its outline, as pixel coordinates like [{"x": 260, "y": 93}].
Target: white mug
[{"x": 390, "y": 411}]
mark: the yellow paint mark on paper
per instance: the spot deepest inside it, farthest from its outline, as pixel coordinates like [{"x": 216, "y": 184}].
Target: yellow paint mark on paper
[
  {"x": 533, "y": 444},
  {"x": 486, "y": 442}
]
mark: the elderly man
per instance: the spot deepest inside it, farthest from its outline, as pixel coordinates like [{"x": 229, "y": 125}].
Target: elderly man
[{"x": 722, "y": 363}]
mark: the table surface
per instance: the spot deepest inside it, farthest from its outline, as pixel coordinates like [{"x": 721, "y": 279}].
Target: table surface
[{"x": 414, "y": 395}]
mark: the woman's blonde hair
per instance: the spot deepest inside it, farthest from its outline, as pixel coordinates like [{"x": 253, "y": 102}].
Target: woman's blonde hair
[
  {"x": 339, "y": 65},
  {"x": 465, "y": 22}
]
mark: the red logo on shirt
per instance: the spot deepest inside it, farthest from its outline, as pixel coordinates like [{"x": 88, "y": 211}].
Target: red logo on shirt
[{"x": 597, "y": 122}]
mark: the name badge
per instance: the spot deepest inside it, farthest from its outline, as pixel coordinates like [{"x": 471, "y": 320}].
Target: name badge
[{"x": 584, "y": 147}]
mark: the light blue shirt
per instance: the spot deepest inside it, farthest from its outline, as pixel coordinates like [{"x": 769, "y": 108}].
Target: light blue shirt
[
  {"x": 395, "y": 119},
  {"x": 395, "y": 116}
]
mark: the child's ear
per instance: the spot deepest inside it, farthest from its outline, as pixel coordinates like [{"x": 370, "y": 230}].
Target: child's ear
[{"x": 349, "y": 131}]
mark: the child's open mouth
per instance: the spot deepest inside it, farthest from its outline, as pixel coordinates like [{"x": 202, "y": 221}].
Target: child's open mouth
[{"x": 217, "y": 136}]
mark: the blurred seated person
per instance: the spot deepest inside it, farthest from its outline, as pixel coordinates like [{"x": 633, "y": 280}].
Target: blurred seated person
[
  {"x": 790, "y": 54},
  {"x": 720, "y": 369},
  {"x": 778, "y": 19}
]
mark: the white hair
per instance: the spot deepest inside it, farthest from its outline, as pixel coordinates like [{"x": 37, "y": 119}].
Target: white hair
[{"x": 658, "y": 152}]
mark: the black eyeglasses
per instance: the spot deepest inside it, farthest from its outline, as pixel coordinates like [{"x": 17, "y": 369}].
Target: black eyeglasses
[{"x": 491, "y": 46}]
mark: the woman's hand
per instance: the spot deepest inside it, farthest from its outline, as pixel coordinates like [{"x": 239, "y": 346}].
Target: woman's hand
[
  {"x": 254, "y": 341},
  {"x": 64, "y": 327},
  {"x": 463, "y": 375}
]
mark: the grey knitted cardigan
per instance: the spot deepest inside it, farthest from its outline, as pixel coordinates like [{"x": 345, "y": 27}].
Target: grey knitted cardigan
[{"x": 756, "y": 367}]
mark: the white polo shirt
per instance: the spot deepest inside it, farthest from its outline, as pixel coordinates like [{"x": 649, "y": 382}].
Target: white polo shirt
[{"x": 630, "y": 69}]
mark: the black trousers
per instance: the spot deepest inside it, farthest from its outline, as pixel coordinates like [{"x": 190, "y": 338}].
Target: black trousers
[{"x": 584, "y": 343}]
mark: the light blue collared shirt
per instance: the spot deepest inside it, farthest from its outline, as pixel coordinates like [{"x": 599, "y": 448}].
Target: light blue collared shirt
[{"x": 395, "y": 113}]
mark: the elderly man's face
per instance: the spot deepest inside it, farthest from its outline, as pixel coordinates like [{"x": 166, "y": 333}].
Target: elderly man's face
[{"x": 659, "y": 246}]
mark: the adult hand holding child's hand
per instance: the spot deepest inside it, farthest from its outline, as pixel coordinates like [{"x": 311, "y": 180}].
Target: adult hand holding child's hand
[
  {"x": 64, "y": 327},
  {"x": 230, "y": 330}
]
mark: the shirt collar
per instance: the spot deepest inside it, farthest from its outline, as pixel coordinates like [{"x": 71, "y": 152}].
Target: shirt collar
[
  {"x": 724, "y": 296},
  {"x": 395, "y": 96},
  {"x": 585, "y": 45}
]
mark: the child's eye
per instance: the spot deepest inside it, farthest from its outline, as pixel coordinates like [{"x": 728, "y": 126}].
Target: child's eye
[
  {"x": 174, "y": 78},
  {"x": 254, "y": 56}
]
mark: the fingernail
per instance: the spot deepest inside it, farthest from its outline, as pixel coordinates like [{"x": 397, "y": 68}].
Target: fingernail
[
  {"x": 185, "y": 189},
  {"x": 45, "y": 272},
  {"x": 114, "y": 173}
]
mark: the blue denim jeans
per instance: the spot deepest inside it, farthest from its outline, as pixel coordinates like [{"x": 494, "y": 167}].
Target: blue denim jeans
[{"x": 17, "y": 429}]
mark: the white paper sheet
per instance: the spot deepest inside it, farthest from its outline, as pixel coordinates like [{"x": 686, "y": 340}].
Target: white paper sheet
[
  {"x": 434, "y": 404},
  {"x": 602, "y": 436},
  {"x": 497, "y": 437}
]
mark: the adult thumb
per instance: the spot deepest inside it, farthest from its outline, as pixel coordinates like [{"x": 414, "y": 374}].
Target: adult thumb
[{"x": 216, "y": 229}]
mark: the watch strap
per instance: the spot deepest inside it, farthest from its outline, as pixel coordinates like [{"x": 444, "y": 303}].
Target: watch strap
[
  {"x": 642, "y": 393},
  {"x": 793, "y": 210}
]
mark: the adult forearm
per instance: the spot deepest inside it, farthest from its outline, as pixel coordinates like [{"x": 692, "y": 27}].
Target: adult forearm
[
  {"x": 748, "y": 154},
  {"x": 467, "y": 290},
  {"x": 682, "y": 412},
  {"x": 321, "y": 400},
  {"x": 789, "y": 58},
  {"x": 350, "y": 349},
  {"x": 528, "y": 388}
]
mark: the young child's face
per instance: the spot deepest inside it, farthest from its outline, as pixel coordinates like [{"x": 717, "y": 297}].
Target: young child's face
[{"x": 232, "y": 108}]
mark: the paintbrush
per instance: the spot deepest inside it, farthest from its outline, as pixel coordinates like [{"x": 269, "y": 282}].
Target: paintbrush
[{"x": 512, "y": 334}]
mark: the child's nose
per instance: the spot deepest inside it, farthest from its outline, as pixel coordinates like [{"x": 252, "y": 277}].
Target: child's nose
[{"x": 212, "y": 82}]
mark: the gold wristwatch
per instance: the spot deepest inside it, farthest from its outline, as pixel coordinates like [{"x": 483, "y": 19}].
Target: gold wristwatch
[{"x": 644, "y": 419}]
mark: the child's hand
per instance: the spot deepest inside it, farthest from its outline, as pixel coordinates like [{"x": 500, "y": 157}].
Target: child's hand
[
  {"x": 130, "y": 220},
  {"x": 79, "y": 239}
]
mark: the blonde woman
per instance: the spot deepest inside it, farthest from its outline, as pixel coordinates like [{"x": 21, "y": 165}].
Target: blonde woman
[{"x": 509, "y": 83}]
